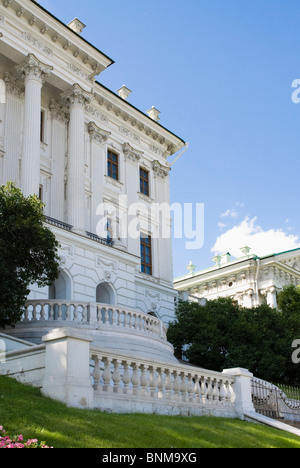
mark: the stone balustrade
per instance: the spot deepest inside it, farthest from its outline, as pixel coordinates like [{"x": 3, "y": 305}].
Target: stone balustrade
[
  {"x": 95, "y": 315},
  {"x": 125, "y": 384}
]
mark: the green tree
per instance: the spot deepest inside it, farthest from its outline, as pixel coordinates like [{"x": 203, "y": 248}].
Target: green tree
[
  {"x": 222, "y": 335},
  {"x": 289, "y": 306},
  {"x": 28, "y": 251}
]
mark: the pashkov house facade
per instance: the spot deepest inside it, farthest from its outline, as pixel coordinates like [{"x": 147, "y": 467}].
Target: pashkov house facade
[
  {"x": 100, "y": 166},
  {"x": 96, "y": 338}
]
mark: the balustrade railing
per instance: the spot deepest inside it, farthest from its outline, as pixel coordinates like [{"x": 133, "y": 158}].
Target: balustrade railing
[
  {"x": 178, "y": 384},
  {"x": 93, "y": 314}
]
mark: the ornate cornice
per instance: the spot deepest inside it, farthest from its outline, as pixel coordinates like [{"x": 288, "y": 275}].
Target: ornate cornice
[
  {"x": 131, "y": 153},
  {"x": 98, "y": 134},
  {"x": 160, "y": 170}
]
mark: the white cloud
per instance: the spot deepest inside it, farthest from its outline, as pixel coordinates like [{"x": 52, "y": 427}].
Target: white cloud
[
  {"x": 248, "y": 233},
  {"x": 231, "y": 213}
]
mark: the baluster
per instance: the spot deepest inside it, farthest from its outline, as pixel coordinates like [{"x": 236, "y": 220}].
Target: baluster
[
  {"x": 106, "y": 316},
  {"x": 34, "y": 314},
  {"x": 99, "y": 315},
  {"x": 130, "y": 319},
  {"x": 126, "y": 377},
  {"x": 209, "y": 396},
  {"x": 204, "y": 390},
  {"x": 183, "y": 386},
  {"x": 160, "y": 383},
  {"x": 119, "y": 315},
  {"x": 190, "y": 387},
  {"x": 59, "y": 314},
  {"x": 113, "y": 320},
  {"x": 43, "y": 313},
  {"x": 125, "y": 318},
  {"x": 144, "y": 379},
  {"x": 222, "y": 391},
  {"x": 215, "y": 390},
  {"x": 107, "y": 374},
  {"x": 168, "y": 383},
  {"x": 176, "y": 385},
  {"x": 68, "y": 312},
  {"x": 51, "y": 312},
  {"x": 197, "y": 389},
  {"x": 96, "y": 373},
  {"x": 140, "y": 322},
  {"x": 135, "y": 379},
  {"x": 152, "y": 382},
  {"x": 84, "y": 313},
  {"x": 116, "y": 375}
]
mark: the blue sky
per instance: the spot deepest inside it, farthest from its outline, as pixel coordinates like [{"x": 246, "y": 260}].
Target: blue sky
[{"x": 221, "y": 73}]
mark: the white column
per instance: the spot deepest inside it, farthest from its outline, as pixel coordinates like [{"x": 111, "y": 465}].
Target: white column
[
  {"x": 98, "y": 138},
  {"x": 34, "y": 73},
  {"x": 76, "y": 209}
]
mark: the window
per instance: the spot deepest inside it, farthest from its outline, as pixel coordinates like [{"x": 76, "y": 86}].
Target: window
[
  {"x": 146, "y": 254},
  {"x": 144, "y": 182},
  {"x": 113, "y": 165},
  {"x": 110, "y": 234},
  {"x": 41, "y": 193}
]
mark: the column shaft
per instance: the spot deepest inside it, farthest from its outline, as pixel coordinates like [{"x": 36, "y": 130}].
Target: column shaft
[{"x": 34, "y": 73}]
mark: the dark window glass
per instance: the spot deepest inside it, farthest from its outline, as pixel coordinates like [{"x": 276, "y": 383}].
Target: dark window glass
[
  {"x": 144, "y": 182},
  {"x": 113, "y": 165},
  {"x": 146, "y": 254}
]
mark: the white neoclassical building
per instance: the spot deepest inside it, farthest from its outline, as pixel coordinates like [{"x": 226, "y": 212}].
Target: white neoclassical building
[
  {"x": 100, "y": 165},
  {"x": 96, "y": 338},
  {"x": 250, "y": 280}
]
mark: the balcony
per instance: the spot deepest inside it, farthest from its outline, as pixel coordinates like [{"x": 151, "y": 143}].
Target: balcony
[
  {"x": 68, "y": 227},
  {"x": 115, "y": 328}
]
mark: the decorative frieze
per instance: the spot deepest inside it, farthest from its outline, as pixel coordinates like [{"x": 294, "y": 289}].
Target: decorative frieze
[
  {"x": 130, "y": 134},
  {"x": 37, "y": 44},
  {"x": 91, "y": 110},
  {"x": 77, "y": 71}
]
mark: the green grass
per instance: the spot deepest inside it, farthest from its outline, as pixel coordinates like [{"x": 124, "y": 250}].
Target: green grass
[{"x": 24, "y": 410}]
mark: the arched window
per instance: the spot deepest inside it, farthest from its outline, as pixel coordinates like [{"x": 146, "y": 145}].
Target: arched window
[
  {"x": 105, "y": 294},
  {"x": 61, "y": 289}
]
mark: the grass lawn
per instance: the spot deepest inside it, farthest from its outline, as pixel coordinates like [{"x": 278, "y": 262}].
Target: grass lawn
[{"x": 24, "y": 410}]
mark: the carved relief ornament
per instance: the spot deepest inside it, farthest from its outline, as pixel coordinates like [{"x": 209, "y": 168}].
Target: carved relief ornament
[
  {"x": 33, "y": 69},
  {"x": 131, "y": 153},
  {"x": 97, "y": 134}
]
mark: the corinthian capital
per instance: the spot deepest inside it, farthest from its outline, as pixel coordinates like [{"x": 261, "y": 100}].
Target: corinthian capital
[
  {"x": 33, "y": 69},
  {"x": 77, "y": 95}
]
